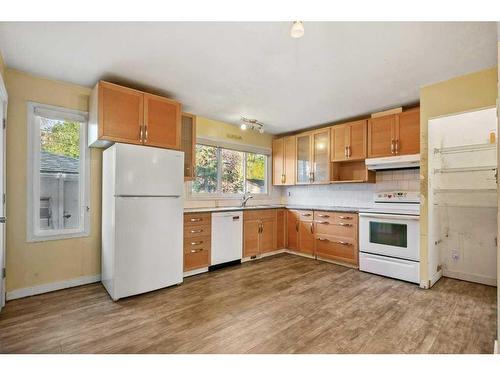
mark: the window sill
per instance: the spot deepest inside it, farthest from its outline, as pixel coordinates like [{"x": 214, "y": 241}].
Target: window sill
[{"x": 57, "y": 236}]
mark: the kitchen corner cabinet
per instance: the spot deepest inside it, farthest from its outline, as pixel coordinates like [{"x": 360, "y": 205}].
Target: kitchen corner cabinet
[
  {"x": 348, "y": 141},
  {"x": 396, "y": 134},
  {"x": 284, "y": 161},
  {"x": 188, "y": 142},
  {"x": 259, "y": 232},
  {"x": 313, "y": 157},
  {"x": 300, "y": 231},
  {"x": 122, "y": 114}
]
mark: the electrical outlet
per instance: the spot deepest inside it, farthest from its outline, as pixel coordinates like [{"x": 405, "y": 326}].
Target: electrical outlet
[
  {"x": 455, "y": 255},
  {"x": 289, "y": 193}
]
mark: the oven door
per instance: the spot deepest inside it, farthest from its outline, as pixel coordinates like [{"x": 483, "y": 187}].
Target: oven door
[{"x": 390, "y": 235}]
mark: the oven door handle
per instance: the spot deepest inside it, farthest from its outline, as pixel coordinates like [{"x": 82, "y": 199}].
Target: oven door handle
[{"x": 390, "y": 216}]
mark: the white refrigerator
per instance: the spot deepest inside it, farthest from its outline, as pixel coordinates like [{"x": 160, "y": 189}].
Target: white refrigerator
[{"x": 142, "y": 219}]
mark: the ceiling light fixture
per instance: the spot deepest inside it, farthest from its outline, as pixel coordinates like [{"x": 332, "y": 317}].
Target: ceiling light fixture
[
  {"x": 251, "y": 124},
  {"x": 297, "y": 30}
]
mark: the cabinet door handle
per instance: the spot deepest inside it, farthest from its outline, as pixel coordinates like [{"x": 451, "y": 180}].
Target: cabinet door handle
[
  {"x": 342, "y": 243},
  {"x": 345, "y": 151},
  {"x": 345, "y": 224},
  {"x": 283, "y": 178},
  {"x": 297, "y": 226},
  {"x": 349, "y": 151},
  {"x": 392, "y": 146},
  {"x": 323, "y": 239},
  {"x": 305, "y": 214},
  {"x": 312, "y": 228},
  {"x": 322, "y": 222},
  {"x": 196, "y": 243},
  {"x": 140, "y": 133},
  {"x": 345, "y": 217},
  {"x": 197, "y": 250},
  {"x": 397, "y": 146},
  {"x": 195, "y": 219},
  {"x": 321, "y": 215},
  {"x": 196, "y": 231},
  {"x": 145, "y": 133}
]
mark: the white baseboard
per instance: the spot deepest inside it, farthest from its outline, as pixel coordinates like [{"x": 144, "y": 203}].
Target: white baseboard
[
  {"x": 480, "y": 279},
  {"x": 495, "y": 348},
  {"x": 45, "y": 288}
]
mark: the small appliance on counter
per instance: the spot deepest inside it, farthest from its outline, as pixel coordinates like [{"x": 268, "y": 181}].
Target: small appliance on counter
[
  {"x": 389, "y": 236},
  {"x": 142, "y": 219}
]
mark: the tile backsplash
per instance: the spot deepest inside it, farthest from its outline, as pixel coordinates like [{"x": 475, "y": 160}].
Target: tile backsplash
[{"x": 352, "y": 195}]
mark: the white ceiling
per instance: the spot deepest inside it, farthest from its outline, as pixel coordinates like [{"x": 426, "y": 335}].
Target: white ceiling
[{"x": 227, "y": 70}]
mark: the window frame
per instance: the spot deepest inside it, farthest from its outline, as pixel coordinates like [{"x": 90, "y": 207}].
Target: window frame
[
  {"x": 34, "y": 233},
  {"x": 218, "y": 194}
]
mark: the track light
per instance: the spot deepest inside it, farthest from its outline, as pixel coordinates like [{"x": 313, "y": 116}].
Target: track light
[{"x": 251, "y": 124}]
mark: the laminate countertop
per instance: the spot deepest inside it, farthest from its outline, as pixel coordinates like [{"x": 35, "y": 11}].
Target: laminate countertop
[{"x": 271, "y": 206}]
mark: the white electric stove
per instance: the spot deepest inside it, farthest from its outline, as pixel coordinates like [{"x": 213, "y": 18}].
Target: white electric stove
[{"x": 389, "y": 236}]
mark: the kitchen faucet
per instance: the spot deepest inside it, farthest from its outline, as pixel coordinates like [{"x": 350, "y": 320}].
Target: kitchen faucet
[{"x": 245, "y": 199}]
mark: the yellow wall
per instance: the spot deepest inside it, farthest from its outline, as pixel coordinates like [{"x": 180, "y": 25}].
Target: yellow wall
[
  {"x": 213, "y": 129},
  {"x": 2, "y": 66},
  {"x": 30, "y": 264},
  {"x": 464, "y": 93}
]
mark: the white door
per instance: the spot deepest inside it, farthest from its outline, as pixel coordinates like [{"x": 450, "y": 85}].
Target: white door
[
  {"x": 148, "y": 247},
  {"x": 3, "y": 102},
  {"x": 148, "y": 171}
]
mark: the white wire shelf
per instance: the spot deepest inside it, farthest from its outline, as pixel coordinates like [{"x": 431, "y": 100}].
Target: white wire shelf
[
  {"x": 465, "y": 148},
  {"x": 492, "y": 168}
]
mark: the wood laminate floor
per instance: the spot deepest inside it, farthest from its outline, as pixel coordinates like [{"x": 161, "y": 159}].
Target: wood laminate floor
[{"x": 280, "y": 304}]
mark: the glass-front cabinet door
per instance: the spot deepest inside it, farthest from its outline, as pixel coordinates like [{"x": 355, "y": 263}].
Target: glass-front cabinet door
[
  {"x": 321, "y": 156},
  {"x": 304, "y": 170}
]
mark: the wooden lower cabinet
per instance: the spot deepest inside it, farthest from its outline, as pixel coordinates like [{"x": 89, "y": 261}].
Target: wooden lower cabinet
[
  {"x": 336, "y": 236},
  {"x": 263, "y": 231},
  {"x": 197, "y": 240},
  {"x": 324, "y": 234}
]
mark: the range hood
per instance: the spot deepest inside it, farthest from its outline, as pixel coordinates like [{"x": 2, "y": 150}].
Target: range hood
[{"x": 393, "y": 162}]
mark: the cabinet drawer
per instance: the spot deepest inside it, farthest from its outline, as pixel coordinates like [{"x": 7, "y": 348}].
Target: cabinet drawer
[
  {"x": 197, "y": 218},
  {"x": 337, "y": 248},
  {"x": 345, "y": 217},
  {"x": 259, "y": 214},
  {"x": 197, "y": 258},
  {"x": 197, "y": 243},
  {"x": 305, "y": 215},
  {"x": 324, "y": 216},
  {"x": 341, "y": 229},
  {"x": 193, "y": 231}
]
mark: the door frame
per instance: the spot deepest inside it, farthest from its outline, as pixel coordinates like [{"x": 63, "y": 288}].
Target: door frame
[{"x": 3, "y": 103}]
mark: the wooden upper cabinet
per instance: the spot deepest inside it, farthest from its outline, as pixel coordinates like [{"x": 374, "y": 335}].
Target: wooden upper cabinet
[
  {"x": 289, "y": 162},
  {"x": 348, "y": 141},
  {"x": 321, "y": 156},
  {"x": 188, "y": 143},
  {"x": 339, "y": 142},
  {"x": 284, "y": 161},
  {"x": 408, "y": 132},
  {"x": 116, "y": 114},
  {"x": 397, "y": 134},
  {"x": 121, "y": 114},
  {"x": 278, "y": 161},
  {"x": 357, "y": 133},
  {"x": 304, "y": 159},
  {"x": 381, "y": 135},
  {"x": 162, "y": 122}
]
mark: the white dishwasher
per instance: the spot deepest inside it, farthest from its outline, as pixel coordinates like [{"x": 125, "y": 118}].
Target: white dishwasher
[{"x": 227, "y": 238}]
